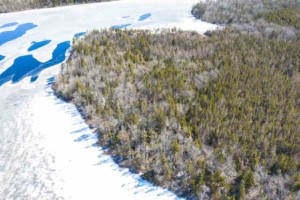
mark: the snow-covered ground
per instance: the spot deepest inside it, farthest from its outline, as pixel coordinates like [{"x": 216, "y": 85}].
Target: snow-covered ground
[{"x": 46, "y": 149}]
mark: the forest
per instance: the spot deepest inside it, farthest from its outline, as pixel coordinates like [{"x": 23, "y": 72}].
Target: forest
[
  {"x": 19, "y": 5},
  {"x": 209, "y": 117},
  {"x": 274, "y": 18}
]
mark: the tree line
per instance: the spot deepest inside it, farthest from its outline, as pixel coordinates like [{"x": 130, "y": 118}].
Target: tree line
[{"x": 18, "y": 5}]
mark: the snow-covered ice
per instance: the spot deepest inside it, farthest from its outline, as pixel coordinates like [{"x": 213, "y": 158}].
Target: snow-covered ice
[{"x": 46, "y": 149}]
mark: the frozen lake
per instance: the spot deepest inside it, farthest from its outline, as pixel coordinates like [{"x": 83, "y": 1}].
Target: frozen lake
[{"x": 46, "y": 149}]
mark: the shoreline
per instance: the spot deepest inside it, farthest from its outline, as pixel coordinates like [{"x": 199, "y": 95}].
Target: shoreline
[{"x": 107, "y": 150}]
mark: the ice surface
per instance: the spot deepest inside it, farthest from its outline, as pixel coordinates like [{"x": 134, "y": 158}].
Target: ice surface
[{"x": 46, "y": 149}]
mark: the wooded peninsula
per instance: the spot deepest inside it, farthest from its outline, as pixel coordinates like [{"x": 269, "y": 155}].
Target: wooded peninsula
[{"x": 212, "y": 116}]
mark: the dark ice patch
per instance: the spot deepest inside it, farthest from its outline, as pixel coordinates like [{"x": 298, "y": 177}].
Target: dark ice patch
[
  {"x": 145, "y": 16},
  {"x": 28, "y": 66},
  {"x": 8, "y": 25},
  {"x": 21, "y": 30},
  {"x": 79, "y": 34},
  {"x": 37, "y": 45},
  {"x": 120, "y": 26}
]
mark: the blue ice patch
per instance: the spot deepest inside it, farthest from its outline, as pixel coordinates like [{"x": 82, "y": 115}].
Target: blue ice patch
[
  {"x": 21, "y": 30},
  {"x": 28, "y": 66},
  {"x": 34, "y": 78},
  {"x": 9, "y": 25},
  {"x": 144, "y": 17},
  {"x": 37, "y": 45},
  {"x": 2, "y": 57},
  {"x": 120, "y": 26},
  {"x": 79, "y": 34}
]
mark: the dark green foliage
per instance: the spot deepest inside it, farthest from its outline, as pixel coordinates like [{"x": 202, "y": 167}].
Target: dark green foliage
[
  {"x": 176, "y": 106},
  {"x": 285, "y": 17},
  {"x": 175, "y": 146},
  {"x": 241, "y": 191},
  {"x": 159, "y": 120},
  {"x": 215, "y": 180},
  {"x": 248, "y": 177},
  {"x": 284, "y": 164},
  {"x": 150, "y": 176},
  {"x": 297, "y": 182},
  {"x": 131, "y": 119}
]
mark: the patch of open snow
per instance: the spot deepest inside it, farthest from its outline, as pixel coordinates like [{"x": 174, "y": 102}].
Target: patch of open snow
[{"x": 46, "y": 149}]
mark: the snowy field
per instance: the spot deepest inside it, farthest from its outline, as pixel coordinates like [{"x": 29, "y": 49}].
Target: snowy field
[{"x": 46, "y": 149}]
